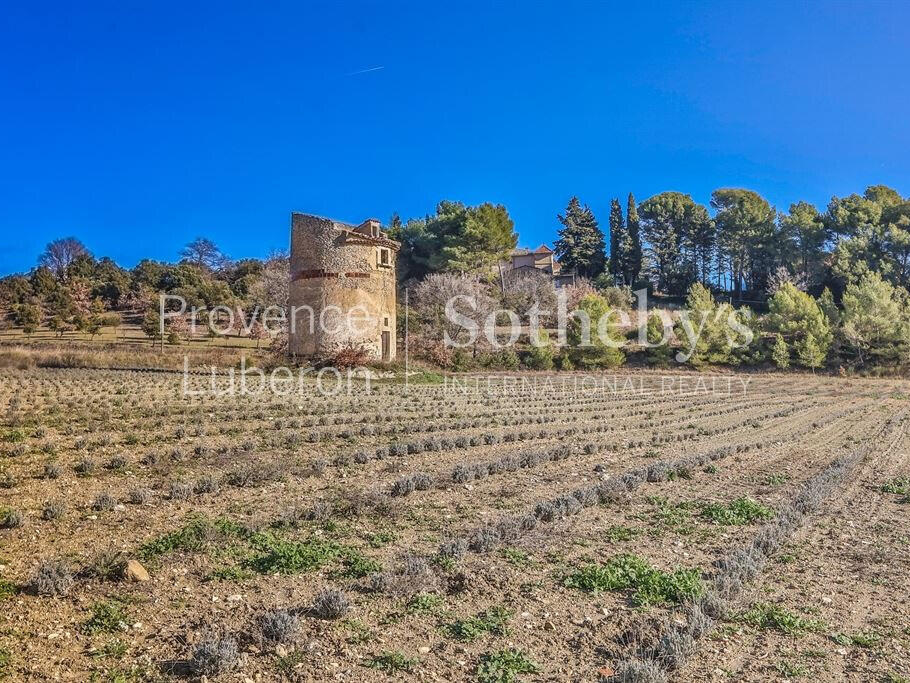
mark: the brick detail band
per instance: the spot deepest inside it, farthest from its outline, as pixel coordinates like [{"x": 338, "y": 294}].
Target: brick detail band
[{"x": 311, "y": 274}]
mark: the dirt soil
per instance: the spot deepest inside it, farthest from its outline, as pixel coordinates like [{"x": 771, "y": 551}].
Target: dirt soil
[{"x": 238, "y": 506}]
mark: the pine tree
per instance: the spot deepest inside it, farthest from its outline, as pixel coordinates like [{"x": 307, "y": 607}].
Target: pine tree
[
  {"x": 702, "y": 329},
  {"x": 780, "y": 354},
  {"x": 633, "y": 248},
  {"x": 395, "y": 226},
  {"x": 617, "y": 242},
  {"x": 541, "y": 356},
  {"x": 829, "y": 308},
  {"x": 28, "y": 316},
  {"x": 581, "y": 242},
  {"x": 659, "y": 353},
  {"x": 796, "y": 315},
  {"x": 602, "y": 348},
  {"x": 874, "y": 321},
  {"x": 810, "y": 354}
]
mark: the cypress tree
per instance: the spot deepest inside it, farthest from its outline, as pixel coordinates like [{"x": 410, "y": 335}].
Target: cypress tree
[
  {"x": 617, "y": 242},
  {"x": 581, "y": 242},
  {"x": 633, "y": 255}
]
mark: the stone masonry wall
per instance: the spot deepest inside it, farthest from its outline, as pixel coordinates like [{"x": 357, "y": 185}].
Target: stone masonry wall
[{"x": 338, "y": 294}]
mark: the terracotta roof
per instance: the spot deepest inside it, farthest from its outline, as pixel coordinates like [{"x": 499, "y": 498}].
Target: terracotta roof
[{"x": 543, "y": 249}]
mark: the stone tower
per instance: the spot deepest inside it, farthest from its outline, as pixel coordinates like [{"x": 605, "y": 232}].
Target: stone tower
[{"x": 343, "y": 288}]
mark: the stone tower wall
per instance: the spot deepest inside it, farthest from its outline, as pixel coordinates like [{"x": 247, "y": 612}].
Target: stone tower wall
[{"x": 339, "y": 293}]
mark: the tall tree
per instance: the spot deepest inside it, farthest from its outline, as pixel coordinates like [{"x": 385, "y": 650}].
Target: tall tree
[
  {"x": 270, "y": 288},
  {"x": 700, "y": 241},
  {"x": 853, "y": 215},
  {"x": 633, "y": 249},
  {"x": 617, "y": 242},
  {"x": 60, "y": 254},
  {"x": 873, "y": 235},
  {"x": 883, "y": 195},
  {"x": 747, "y": 236},
  {"x": 459, "y": 238},
  {"x": 679, "y": 234},
  {"x": 804, "y": 235},
  {"x": 581, "y": 242},
  {"x": 205, "y": 253},
  {"x": 395, "y": 225}
]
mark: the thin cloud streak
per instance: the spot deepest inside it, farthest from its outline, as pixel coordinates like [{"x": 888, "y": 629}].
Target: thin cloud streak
[{"x": 366, "y": 71}]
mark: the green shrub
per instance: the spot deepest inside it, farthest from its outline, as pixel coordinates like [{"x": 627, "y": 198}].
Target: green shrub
[
  {"x": 618, "y": 297},
  {"x": 780, "y": 353},
  {"x": 857, "y": 639},
  {"x": 107, "y": 617},
  {"x": 617, "y": 533},
  {"x": 504, "y": 359},
  {"x": 517, "y": 558},
  {"x": 7, "y": 589},
  {"x": 797, "y": 316},
  {"x": 14, "y": 436},
  {"x": 462, "y": 361},
  {"x": 564, "y": 362},
  {"x": 380, "y": 538},
  {"x": 233, "y": 574},
  {"x": 598, "y": 353},
  {"x": 541, "y": 357},
  {"x": 659, "y": 352}
]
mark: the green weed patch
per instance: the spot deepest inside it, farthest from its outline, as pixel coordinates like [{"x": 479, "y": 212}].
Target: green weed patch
[
  {"x": 649, "y": 586},
  {"x": 494, "y": 620},
  {"x": 739, "y": 512},
  {"x": 504, "y": 666},
  {"x": 769, "y": 616}
]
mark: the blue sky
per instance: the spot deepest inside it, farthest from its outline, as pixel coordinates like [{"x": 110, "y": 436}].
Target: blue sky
[{"x": 138, "y": 126}]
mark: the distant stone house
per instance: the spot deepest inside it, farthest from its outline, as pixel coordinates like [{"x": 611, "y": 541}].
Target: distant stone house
[
  {"x": 542, "y": 260},
  {"x": 343, "y": 288}
]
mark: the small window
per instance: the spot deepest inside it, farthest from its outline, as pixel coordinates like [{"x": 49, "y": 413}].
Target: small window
[
  {"x": 385, "y": 257},
  {"x": 385, "y": 322}
]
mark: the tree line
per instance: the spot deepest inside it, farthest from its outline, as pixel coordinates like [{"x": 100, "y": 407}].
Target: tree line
[
  {"x": 741, "y": 244},
  {"x": 71, "y": 290},
  {"x": 833, "y": 281}
]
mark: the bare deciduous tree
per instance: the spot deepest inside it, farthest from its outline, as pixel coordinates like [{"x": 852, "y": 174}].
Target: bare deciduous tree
[
  {"x": 782, "y": 276},
  {"x": 203, "y": 252},
  {"x": 271, "y": 288},
  {"x": 465, "y": 294},
  {"x": 59, "y": 254},
  {"x": 523, "y": 289}
]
